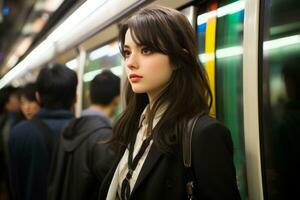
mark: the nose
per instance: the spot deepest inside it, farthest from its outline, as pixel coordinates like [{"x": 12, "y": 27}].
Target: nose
[{"x": 132, "y": 61}]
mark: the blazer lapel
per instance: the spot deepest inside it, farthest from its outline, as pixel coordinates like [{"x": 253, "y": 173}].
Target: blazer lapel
[
  {"x": 108, "y": 178},
  {"x": 152, "y": 158}
]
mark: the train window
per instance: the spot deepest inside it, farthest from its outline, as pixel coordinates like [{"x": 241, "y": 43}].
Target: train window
[
  {"x": 72, "y": 64},
  {"x": 280, "y": 97},
  {"x": 220, "y": 41},
  {"x": 105, "y": 57}
]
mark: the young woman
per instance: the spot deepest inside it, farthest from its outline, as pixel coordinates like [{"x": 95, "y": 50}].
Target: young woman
[
  {"x": 29, "y": 105},
  {"x": 166, "y": 87}
]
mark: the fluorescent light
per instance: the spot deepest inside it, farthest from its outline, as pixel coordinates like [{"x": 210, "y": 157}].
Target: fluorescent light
[
  {"x": 202, "y": 19},
  {"x": 221, "y": 53},
  {"x": 281, "y": 42},
  {"x": 22, "y": 46},
  {"x": 77, "y": 17},
  {"x": 276, "y": 30},
  {"x": 107, "y": 50},
  {"x": 228, "y": 52},
  {"x": 72, "y": 64},
  {"x": 25, "y": 65},
  {"x": 11, "y": 75},
  {"x": 51, "y": 5},
  {"x": 84, "y": 23},
  {"x": 12, "y": 60},
  {"x": 117, "y": 70},
  {"x": 222, "y": 11},
  {"x": 87, "y": 77},
  {"x": 204, "y": 57},
  {"x": 238, "y": 50},
  {"x": 231, "y": 8}
]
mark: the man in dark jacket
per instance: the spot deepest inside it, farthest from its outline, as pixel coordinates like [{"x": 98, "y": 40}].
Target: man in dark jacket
[
  {"x": 9, "y": 116},
  {"x": 29, "y": 146},
  {"x": 81, "y": 158}
]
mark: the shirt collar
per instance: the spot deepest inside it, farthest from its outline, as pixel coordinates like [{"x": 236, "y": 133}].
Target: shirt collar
[
  {"x": 93, "y": 111},
  {"x": 144, "y": 116}
]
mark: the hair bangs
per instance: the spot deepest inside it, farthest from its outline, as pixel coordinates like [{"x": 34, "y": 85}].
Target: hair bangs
[{"x": 144, "y": 32}]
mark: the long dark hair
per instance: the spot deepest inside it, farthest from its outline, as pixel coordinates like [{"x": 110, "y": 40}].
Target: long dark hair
[{"x": 169, "y": 32}]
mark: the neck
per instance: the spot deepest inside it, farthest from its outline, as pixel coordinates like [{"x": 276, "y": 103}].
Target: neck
[
  {"x": 154, "y": 95},
  {"x": 104, "y": 109}
]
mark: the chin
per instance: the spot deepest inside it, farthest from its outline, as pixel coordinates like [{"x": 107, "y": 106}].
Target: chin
[
  {"x": 28, "y": 116},
  {"x": 138, "y": 90}
]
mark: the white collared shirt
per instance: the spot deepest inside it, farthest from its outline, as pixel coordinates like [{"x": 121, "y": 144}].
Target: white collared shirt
[{"x": 115, "y": 187}]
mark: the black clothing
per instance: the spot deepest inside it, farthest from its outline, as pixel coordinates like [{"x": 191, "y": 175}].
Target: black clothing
[
  {"x": 80, "y": 161},
  {"x": 28, "y": 155},
  {"x": 163, "y": 176}
]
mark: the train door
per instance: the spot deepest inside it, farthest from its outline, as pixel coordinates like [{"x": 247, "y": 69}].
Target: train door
[{"x": 280, "y": 98}]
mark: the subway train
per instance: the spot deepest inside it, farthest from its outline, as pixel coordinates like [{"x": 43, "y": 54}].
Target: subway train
[{"x": 250, "y": 49}]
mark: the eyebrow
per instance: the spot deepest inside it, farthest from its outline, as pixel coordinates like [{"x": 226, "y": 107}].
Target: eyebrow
[{"x": 137, "y": 45}]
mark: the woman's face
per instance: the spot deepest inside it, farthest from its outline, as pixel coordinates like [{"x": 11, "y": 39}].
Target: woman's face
[
  {"x": 29, "y": 108},
  {"x": 148, "y": 72}
]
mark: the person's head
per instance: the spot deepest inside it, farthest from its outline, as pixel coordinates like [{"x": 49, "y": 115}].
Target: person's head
[
  {"x": 56, "y": 87},
  {"x": 9, "y": 99},
  {"x": 161, "y": 61},
  {"x": 29, "y": 105},
  {"x": 105, "y": 89}
]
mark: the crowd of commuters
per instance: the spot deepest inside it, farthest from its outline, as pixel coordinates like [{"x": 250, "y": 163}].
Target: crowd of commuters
[
  {"x": 47, "y": 153},
  {"x": 80, "y": 161}
]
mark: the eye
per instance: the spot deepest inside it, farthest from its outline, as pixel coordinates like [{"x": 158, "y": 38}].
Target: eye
[
  {"x": 126, "y": 53},
  {"x": 146, "y": 51}
]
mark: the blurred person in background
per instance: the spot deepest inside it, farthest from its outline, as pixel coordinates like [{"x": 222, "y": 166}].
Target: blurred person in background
[
  {"x": 104, "y": 95},
  {"x": 28, "y": 102},
  {"x": 289, "y": 130},
  {"x": 9, "y": 117},
  {"x": 32, "y": 141},
  {"x": 81, "y": 159}
]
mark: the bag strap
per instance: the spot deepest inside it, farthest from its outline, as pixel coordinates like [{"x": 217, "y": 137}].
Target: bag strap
[
  {"x": 187, "y": 152},
  {"x": 47, "y": 134},
  {"x": 187, "y": 141}
]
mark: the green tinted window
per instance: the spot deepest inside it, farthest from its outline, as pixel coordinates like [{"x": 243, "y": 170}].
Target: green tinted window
[
  {"x": 105, "y": 57},
  {"x": 280, "y": 95},
  {"x": 220, "y": 38}
]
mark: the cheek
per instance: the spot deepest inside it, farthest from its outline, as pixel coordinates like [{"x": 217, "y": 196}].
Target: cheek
[
  {"x": 161, "y": 70},
  {"x": 34, "y": 107},
  {"x": 24, "y": 109}
]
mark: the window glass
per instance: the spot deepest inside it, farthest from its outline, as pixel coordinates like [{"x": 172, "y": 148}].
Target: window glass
[
  {"x": 105, "y": 57},
  {"x": 220, "y": 41},
  {"x": 72, "y": 64},
  {"x": 280, "y": 95}
]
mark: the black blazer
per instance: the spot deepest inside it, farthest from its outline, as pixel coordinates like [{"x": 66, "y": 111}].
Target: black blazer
[{"x": 163, "y": 176}]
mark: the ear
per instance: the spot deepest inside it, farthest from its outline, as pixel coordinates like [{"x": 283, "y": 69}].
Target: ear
[
  {"x": 38, "y": 97},
  {"x": 114, "y": 105}
]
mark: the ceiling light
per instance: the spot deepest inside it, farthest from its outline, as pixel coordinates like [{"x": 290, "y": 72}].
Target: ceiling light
[
  {"x": 75, "y": 18},
  {"x": 281, "y": 42},
  {"x": 222, "y": 11}
]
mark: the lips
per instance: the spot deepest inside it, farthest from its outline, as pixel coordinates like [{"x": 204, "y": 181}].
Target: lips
[{"x": 135, "y": 77}]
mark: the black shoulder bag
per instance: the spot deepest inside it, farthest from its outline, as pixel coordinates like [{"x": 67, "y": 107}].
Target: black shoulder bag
[{"x": 187, "y": 154}]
